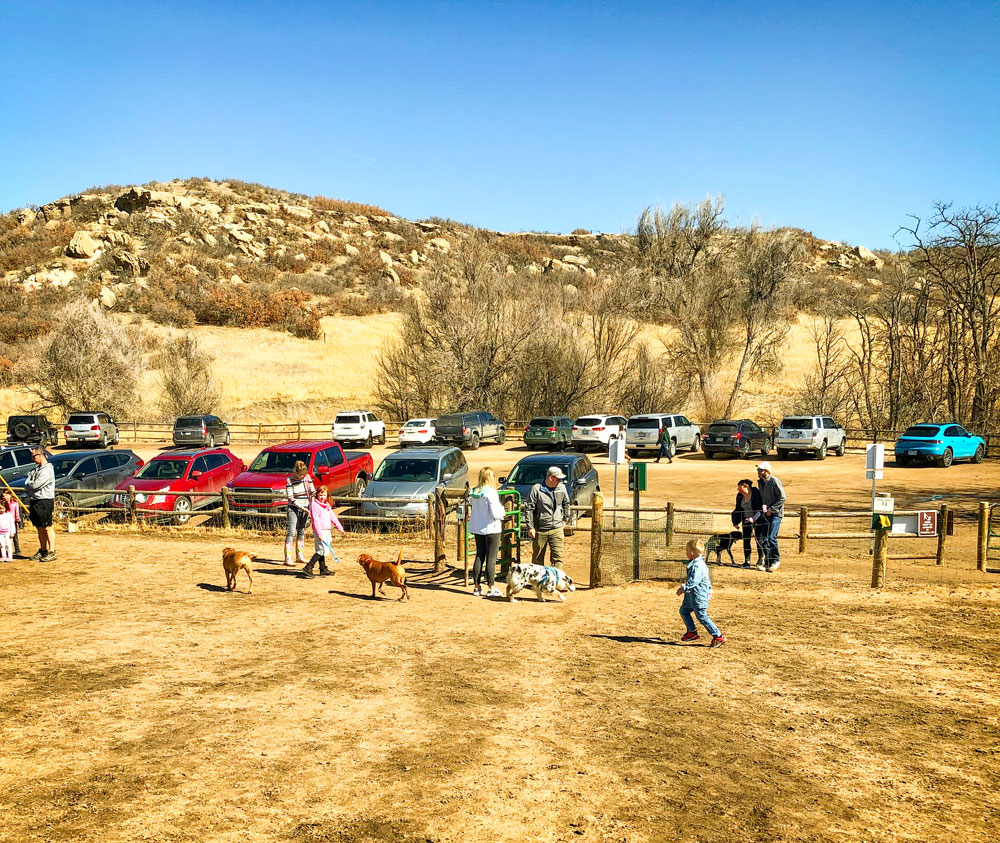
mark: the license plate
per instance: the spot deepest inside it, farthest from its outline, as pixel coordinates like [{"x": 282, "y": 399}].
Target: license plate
[
  {"x": 911, "y": 453},
  {"x": 254, "y": 511}
]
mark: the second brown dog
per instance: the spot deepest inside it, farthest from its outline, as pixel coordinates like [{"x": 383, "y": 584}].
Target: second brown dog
[
  {"x": 380, "y": 572},
  {"x": 232, "y": 561}
]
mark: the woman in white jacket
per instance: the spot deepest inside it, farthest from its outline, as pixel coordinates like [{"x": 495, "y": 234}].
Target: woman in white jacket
[{"x": 485, "y": 523}]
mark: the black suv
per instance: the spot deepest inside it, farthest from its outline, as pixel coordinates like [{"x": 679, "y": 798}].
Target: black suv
[
  {"x": 34, "y": 430},
  {"x": 735, "y": 436},
  {"x": 469, "y": 429}
]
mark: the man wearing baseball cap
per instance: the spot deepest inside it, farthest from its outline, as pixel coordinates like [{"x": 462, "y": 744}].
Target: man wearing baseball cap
[
  {"x": 772, "y": 497},
  {"x": 546, "y": 509}
]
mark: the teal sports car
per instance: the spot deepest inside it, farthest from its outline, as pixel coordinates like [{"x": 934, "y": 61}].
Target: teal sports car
[{"x": 942, "y": 443}]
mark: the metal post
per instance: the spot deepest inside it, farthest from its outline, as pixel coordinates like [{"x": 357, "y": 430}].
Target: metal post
[
  {"x": 982, "y": 547},
  {"x": 942, "y": 533},
  {"x": 635, "y": 530},
  {"x": 596, "y": 538}
]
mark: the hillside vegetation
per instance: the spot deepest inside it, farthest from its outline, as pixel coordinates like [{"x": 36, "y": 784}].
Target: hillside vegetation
[{"x": 306, "y": 304}]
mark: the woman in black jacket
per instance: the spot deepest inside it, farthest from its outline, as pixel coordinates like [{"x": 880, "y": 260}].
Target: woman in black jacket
[{"x": 748, "y": 516}]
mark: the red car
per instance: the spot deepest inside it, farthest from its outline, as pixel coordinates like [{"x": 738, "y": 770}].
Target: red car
[
  {"x": 179, "y": 481},
  {"x": 261, "y": 488}
]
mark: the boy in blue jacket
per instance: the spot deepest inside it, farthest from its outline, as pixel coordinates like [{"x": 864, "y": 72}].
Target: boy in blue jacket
[{"x": 697, "y": 590}]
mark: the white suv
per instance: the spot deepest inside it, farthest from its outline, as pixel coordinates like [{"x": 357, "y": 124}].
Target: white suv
[
  {"x": 591, "y": 431},
  {"x": 417, "y": 432},
  {"x": 93, "y": 428},
  {"x": 817, "y": 434},
  {"x": 358, "y": 426},
  {"x": 643, "y": 433}
]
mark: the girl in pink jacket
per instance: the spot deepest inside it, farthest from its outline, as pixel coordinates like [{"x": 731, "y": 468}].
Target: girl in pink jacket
[
  {"x": 324, "y": 520},
  {"x": 7, "y": 496},
  {"x": 6, "y": 532}
]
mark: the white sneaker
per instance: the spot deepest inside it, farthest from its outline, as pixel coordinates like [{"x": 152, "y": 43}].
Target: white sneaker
[
  {"x": 760, "y": 566},
  {"x": 477, "y": 592},
  {"x": 494, "y": 592},
  {"x": 774, "y": 567}
]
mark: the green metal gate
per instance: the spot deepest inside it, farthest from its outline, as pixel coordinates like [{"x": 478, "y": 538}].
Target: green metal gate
[{"x": 510, "y": 535}]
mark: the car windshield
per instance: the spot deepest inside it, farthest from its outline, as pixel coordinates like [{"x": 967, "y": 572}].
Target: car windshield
[
  {"x": 163, "y": 470},
  {"x": 541, "y": 422},
  {"x": 62, "y": 466},
  {"x": 408, "y": 470},
  {"x": 417, "y": 423},
  {"x": 643, "y": 424},
  {"x": 445, "y": 421},
  {"x": 588, "y": 421},
  {"x": 529, "y": 473},
  {"x": 722, "y": 428},
  {"x": 279, "y": 462},
  {"x": 185, "y": 423},
  {"x": 347, "y": 420},
  {"x": 78, "y": 419},
  {"x": 920, "y": 430},
  {"x": 797, "y": 424}
]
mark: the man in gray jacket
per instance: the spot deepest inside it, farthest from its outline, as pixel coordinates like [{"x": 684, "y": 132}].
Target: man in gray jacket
[
  {"x": 40, "y": 485},
  {"x": 545, "y": 511},
  {"x": 772, "y": 498}
]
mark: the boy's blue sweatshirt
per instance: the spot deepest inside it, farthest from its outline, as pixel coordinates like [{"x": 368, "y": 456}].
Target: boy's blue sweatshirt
[{"x": 698, "y": 587}]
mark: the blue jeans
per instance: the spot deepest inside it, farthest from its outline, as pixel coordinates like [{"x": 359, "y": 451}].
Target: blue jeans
[
  {"x": 664, "y": 452},
  {"x": 771, "y": 554},
  {"x": 700, "y": 612}
]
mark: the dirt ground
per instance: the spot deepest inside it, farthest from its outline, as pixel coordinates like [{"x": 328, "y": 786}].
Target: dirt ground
[{"x": 140, "y": 701}]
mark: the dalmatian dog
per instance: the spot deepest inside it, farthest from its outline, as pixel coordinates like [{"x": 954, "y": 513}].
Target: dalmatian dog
[{"x": 542, "y": 578}]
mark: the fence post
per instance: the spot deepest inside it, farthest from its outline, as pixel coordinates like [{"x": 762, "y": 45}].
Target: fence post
[
  {"x": 430, "y": 516},
  {"x": 803, "y": 527},
  {"x": 135, "y": 431},
  {"x": 670, "y": 525},
  {"x": 596, "y": 538},
  {"x": 225, "y": 507},
  {"x": 298, "y": 431},
  {"x": 942, "y": 533},
  {"x": 131, "y": 504},
  {"x": 879, "y": 557},
  {"x": 440, "y": 514},
  {"x": 984, "y": 535},
  {"x": 260, "y": 430}
]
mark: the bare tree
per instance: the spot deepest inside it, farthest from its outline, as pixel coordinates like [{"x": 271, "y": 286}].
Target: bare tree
[{"x": 90, "y": 361}]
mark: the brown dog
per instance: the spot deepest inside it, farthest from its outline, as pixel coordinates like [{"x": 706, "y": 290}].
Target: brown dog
[
  {"x": 379, "y": 572},
  {"x": 232, "y": 561}
]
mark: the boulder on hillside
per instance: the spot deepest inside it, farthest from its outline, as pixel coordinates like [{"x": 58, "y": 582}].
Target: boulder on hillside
[
  {"x": 353, "y": 251},
  {"x": 118, "y": 239},
  {"x": 869, "y": 257},
  {"x": 440, "y": 243},
  {"x": 384, "y": 257},
  {"x": 140, "y": 199},
  {"x": 133, "y": 264},
  {"x": 390, "y": 237},
  {"x": 108, "y": 297},
  {"x": 208, "y": 238},
  {"x": 26, "y": 216},
  {"x": 577, "y": 260},
  {"x": 297, "y": 211},
  {"x": 82, "y": 246},
  {"x": 60, "y": 209}
]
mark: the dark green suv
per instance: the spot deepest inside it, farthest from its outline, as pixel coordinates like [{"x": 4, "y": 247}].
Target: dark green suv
[
  {"x": 33, "y": 430},
  {"x": 555, "y": 432}
]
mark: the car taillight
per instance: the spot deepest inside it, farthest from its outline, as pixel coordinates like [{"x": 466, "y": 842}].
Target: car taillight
[
  {"x": 95, "y": 427},
  {"x": 401, "y": 432},
  {"x": 204, "y": 430},
  {"x": 596, "y": 428},
  {"x": 936, "y": 441},
  {"x": 67, "y": 427},
  {"x": 737, "y": 436},
  {"x": 465, "y": 430},
  {"x": 576, "y": 428},
  {"x": 423, "y": 431},
  {"x": 139, "y": 463},
  {"x": 552, "y": 430}
]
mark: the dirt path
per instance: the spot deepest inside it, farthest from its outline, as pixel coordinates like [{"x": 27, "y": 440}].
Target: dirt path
[{"x": 138, "y": 700}]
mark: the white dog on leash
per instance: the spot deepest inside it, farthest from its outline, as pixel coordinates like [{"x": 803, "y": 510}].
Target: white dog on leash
[{"x": 542, "y": 578}]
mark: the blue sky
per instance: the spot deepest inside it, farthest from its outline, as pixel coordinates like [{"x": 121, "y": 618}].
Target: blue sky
[{"x": 840, "y": 118}]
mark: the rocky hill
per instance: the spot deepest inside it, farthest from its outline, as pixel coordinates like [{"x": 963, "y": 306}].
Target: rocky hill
[{"x": 234, "y": 253}]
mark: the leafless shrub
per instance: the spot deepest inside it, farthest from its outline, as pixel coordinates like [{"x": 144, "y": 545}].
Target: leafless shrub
[{"x": 186, "y": 378}]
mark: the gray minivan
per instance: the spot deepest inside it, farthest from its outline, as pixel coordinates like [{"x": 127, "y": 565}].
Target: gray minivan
[
  {"x": 15, "y": 462},
  {"x": 207, "y": 431},
  {"x": 407, "y": 477}
]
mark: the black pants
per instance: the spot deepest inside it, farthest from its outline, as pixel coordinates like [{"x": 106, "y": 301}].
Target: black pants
[
  {"x": 752, "y": 533},
  {"x": 486, "y": 551}
]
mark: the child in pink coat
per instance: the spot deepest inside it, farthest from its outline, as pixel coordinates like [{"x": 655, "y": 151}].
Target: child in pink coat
[
  {"x": 15, "y": 512},
  {"x": 324, "y": 520},
  {"x": 6, "y": 532}
]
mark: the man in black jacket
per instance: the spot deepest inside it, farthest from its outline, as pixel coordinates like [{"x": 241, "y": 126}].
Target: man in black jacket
[{"x": 546, "y": 509}]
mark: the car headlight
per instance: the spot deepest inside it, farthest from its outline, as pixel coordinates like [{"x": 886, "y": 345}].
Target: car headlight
[{"x": 140, "y": 497}]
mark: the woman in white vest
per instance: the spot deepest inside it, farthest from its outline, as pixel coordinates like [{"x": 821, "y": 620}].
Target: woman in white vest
[{"x": 486, "y": 523}]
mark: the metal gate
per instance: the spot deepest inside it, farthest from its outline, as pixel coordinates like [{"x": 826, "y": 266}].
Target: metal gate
[{"x": 993, "y": 534}]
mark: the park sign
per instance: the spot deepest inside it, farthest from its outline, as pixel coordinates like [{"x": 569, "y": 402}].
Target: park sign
[
  {"x": 874, "y": 461},
  {"x": 883, "y": 509}
]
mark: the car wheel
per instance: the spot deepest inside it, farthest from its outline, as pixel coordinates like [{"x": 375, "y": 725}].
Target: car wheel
[
  {"x": 62, "y": 508},
  {"x": 21, "y": 430},
  {"x": 947, "y": 458},
  {"x": 360, "y": 484},
  {"x": 977, "y": 458},
  {"x": 211, "y": 441},
  {"x": 474, "y": 444},
  {"x": 104, "y": 441},
  {"x": 672, "y": 448},
  {"x": 744, "y": 451},
  {"x": 229, "y": 438},
  {"x": 902, "y": 459},
  {"x": 368, "y": 441},
  {"x": 841, "y": 448},
  {"x": 781, "y": 453},
  {"x": 696, "y": 445},
  {"x": 766, "y": 449},
  {"x": 381, "y": 439},
  {"x": 709, "y": 454},
  {"x": 117, "y": 438},
  {"x": 821, "y": 453},
  {"x": 632, "y": 452},
  {"x": 501, "y": 436},
  {"x": 182, "y": 510}
]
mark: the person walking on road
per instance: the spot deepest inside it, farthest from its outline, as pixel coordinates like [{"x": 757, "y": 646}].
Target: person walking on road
[
  {"x": 772, "y": 506},
  {"x": 664, "y": 442},
  {"x": 486, "y": 514},
  {"x": 299, "y": 492},
  {"x": 545, "y": 511},
  {"x": 748, "y": 517},
  {"x": 40, "y": 486}
]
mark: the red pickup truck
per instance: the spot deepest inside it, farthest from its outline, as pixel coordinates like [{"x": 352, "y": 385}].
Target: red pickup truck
[{"x": 261, "y": 488}]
